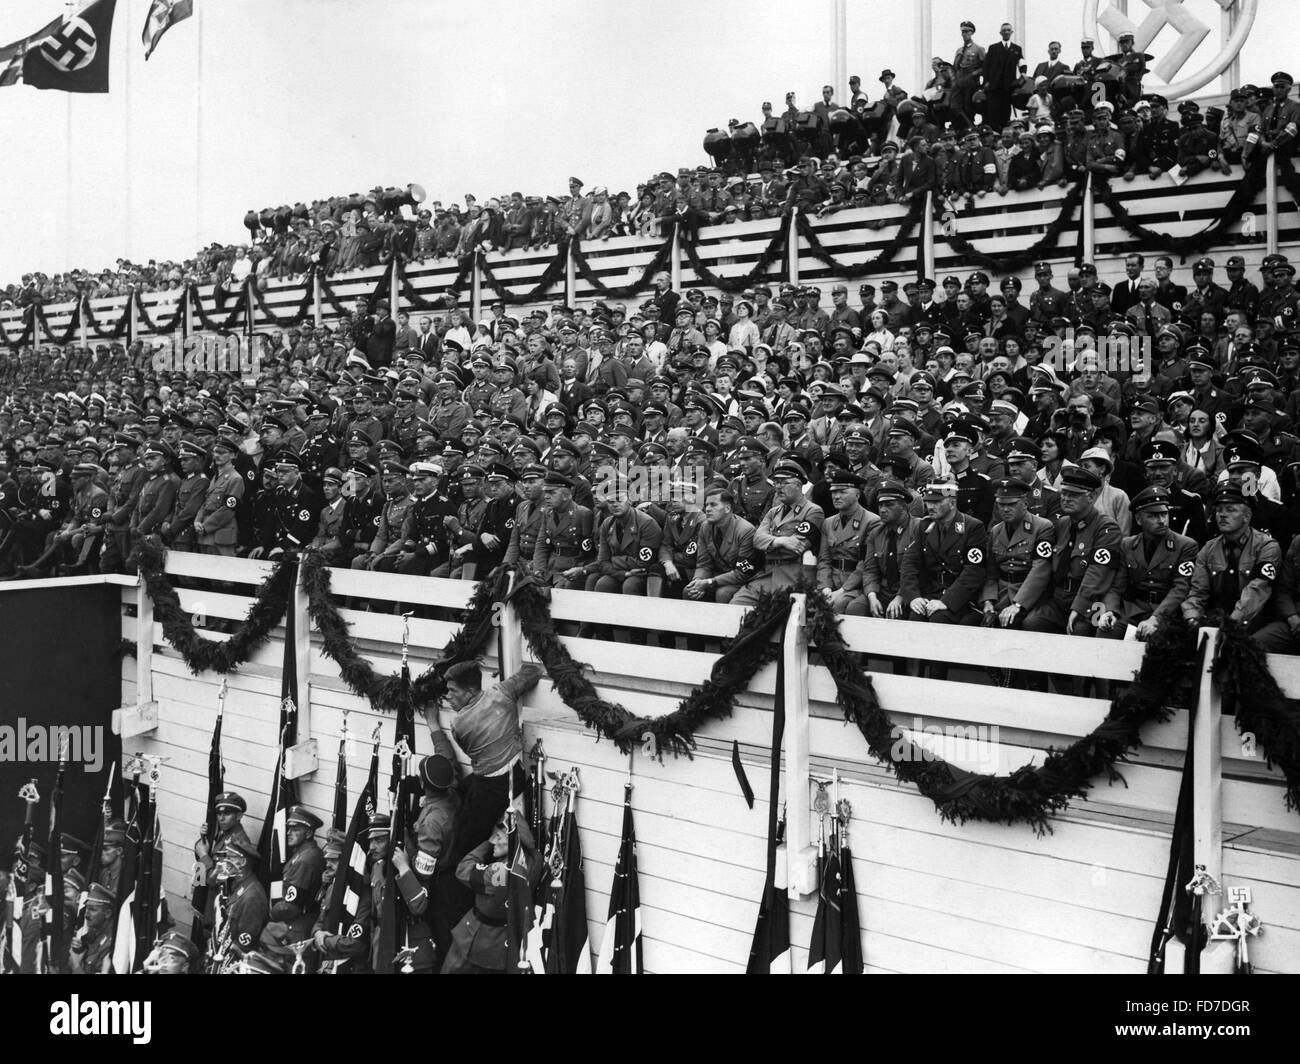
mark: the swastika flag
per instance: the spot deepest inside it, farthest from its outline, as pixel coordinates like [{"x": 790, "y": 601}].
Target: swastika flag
[{"x": 74, "y": 58}]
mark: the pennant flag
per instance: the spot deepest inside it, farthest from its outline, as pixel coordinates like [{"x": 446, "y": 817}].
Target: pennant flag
[
  {"x": 13, "y": 929},
  {"x": 566, "y": 945},
  {"x": 12, "y": 55},
  {"x": 52, "y": 929},
  {"x": 339, "y": 822},
  {"x": 620, "y": 949},
  {"x": 216, "y": 784},
  {"x": 824, "y": 949},
  {"x": 350, "y": 884},
  {"x": 519, "y": 904},
  {"x": 769, "y": 953},
  {"x": 124, "y": 930},
  {"x": 148, "y": 884},
  {"x": 272, "y": 846},
  {"x": 163, "y": 15},
  {"x": 74, "y": 58},
  {"x": 851, "y": 961}
]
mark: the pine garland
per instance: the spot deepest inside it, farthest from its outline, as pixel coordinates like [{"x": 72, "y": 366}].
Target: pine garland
[
  {"x": 1044, "y": 247},
  {"x": 881, "y": 259},
  {"x": 1259, "y": 705},
  {"x": 209, "y": 655},
  {"x": 1031, "y": 794}
]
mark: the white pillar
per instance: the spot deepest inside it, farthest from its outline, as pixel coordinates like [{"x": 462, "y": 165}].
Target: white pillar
[
  {"x": 316, "y": 313},
  {"x": 1019, "y": 18},
  {"x": 792, "y": 248},
  {"x": 1270, "y": 200},
  {"x": 476, "y": 287},
  {"x": 675, "y": 262},
  {"x": 1231, "y": 76},
  {"x": 925, "y": 263},
  {"x": 1089, "y": 223},
  {"x": 571, "y": 274},
  {"x": 840, "y": 57},
  {"x": 924, "y": 45}
]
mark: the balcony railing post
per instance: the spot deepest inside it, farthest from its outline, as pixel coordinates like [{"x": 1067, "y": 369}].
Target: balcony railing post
[
  {"x": 675, "y": 260},
  {"x": 925, "y": 263},
  {"x": 476, "y": 288},
  {"x": 801, "y": 854},
  {"x": 571, "y": 274},
  {"x": 1270, "y": 200},
  {"x": 301, "y": 758},
  {"x": 1089, "y": 222},
  {"x": 792, "y": 248},
  {"x": 317, "y": 314}
]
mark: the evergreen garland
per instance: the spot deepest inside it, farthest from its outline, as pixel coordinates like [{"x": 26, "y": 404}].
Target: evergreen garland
[{"x": 881, "y": 259}]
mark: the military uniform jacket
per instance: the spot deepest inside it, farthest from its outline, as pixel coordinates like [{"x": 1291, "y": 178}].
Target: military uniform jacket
[
  {"x": 498, "y": 520},
  {"x": 753, "y": 499},
  {"x": 565, "y": 540},
  {"x": 946, "y": 562},
  {"x": 293, "y": 518},
  {"x": 1286, "y": 592},
  {"x": 1154, "y": 586},
  {"x": 318, "y": 454},
  {"x": 725, "y": 553},
  {"x": 1241, "y": 591},
  {"x": 1085, "y": 559},
  {"x": 329, "y": 526},
  {"x": 153, "y": 506},
  {"x": 678, "y": 543},
  {"x": 1019, "y": 562},
  {"x": 786, "y": 532},
  {"x": 883, "y": 550},
  {"x": 190, "y": 494},
  {"x": 392, "y": 519},
  {"x": 300, "y": 904},
  {"x": 88, "y": 506},
  {"x": 481, "y": 933},
  {"x": 1044, "y": 502},
  {"x": 523, "y": 534},
  {"x": 626, "y": 544},
  {"x": 247, "y": 912},
  {"x": 841, "y": 549},
  {"x": 123, "y": 494},
  {"x": 361, "y": 519},
  {"x": 422, "y": 528}
]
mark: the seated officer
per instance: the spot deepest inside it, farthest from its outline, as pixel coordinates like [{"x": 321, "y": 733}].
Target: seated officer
[
  {"x": 943, "y": 571},
  {"x": 628, "y": 547},
  {"x": 1019, "y": 569},
  {"x": 838, "y": 571},
  {"x": 1282, "y": 636},
  {"x": 790, "y": 529},
  {"x": 1155, "y": 571},
  {"x": 1085, "y": 550},
  {"x": 1235, "y": 572},
  {"x": 564, "y": 545},
  {"x": 883, "y": 550},
  {"x": 724, "y": 550},
  {"x": 678, "y": 548}
]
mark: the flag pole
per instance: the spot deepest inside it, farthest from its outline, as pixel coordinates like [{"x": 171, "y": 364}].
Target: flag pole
[
  {"x": 126, "y": 141},
  {"x": 67, "y": 175},
  {"x": 198, "y": 132}
]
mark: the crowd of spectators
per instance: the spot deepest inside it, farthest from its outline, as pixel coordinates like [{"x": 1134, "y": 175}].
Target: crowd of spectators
[
  {"x": 1102, "y": 426},
  {"x": 982, "y": 123}
]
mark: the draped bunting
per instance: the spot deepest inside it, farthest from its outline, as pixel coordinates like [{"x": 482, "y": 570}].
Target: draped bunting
[
  {"x": 881, "y": 259},
  {"x": 1029, "y": 795},
  {"x": 1041, "y": 248}
]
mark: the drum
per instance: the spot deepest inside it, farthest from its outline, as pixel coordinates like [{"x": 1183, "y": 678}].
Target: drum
[
  {"x": 1068, "y": 87},
  {"x": 717, "y": 145}
]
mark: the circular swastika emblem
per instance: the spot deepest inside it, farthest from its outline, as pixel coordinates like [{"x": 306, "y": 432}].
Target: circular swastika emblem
[
  {"x": 1185, "y": 569},
  {"x": 1267, "y": 571},
  {"x": 72, "y": 46},
  {"x": 1102, "y": 557},
  {"x": 303, "y": 515},
  {"x": 803, "y": 528},
  {"x": 645, "y": 554},
  {"x": 974, "y": 555},
  {"x": 690, "y": 548},
  {"x": 1044, "y": 549}
]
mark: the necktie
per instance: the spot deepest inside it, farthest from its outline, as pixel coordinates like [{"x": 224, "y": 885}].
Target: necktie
[{"x": 891, "y": 559}]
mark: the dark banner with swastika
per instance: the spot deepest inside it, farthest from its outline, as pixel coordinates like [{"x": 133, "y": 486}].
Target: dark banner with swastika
[{"x": 74, "y": 58}]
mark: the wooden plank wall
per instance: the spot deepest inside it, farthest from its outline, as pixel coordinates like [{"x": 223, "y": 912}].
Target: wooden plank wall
[{"x": 933, "y": 896}]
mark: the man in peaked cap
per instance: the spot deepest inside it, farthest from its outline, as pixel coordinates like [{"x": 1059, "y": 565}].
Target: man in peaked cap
[
  {"x": 299, "y": 905},
  {"x": 789, "y": 533},
  {"x": 1085, "y": 559},
  {"x": 1019, "y": 571},
  {"x": 191, "y": 491},
  {"x": 231, "y": 808},
  {"x": 565, "y": 543},
  {"x": 1155, "y": 571},
  {"x": 843, "y": 534},
  {"x": 153, "y": 506},
  {"x": 1162, "y": 462},
  {"x": 1235, "y": 573},
  {"x": 243, "y": 901},
  {"x": 174, "y": 954}
]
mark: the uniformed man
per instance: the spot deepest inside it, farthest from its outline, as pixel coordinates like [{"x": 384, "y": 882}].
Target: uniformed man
[
  {"x": 191, "y": 493},
  {"x": 974, "y": 488},
  {"x": 943, "y": 571},
  {"x": 839, "y": 558},
  {"x": 1280, "y": 119},
  {"x": 425, "y": 535},
  {"x": 883, "y": 550},
  {"x": 433, "y": 844},
  {"x": 788, "y": 535},
  {"x": 362, "y": 510},
  {"x": 216, "y": 522},
  {"x": 76, "y": 545},
  {"x": 231, "y": 808},
  {"x": 565, "y": 544},
  {"x": 1085, "y": 559},
  {"x": 91, "y": 952},
  {"x": 294, "y": 510},
  {"x": 356, "y": 943},
  {"x": 1019, "y": 562},
  {"x": 752, "y": 490},
  {"x": 1235, "y": 573},
  {"x": 329, "y": 523},
  {"x": 153, "y": 506},
  {"x": 498, "y": 521},
  {"x": 723, "y": 550},
  {"x": 1022, "y": 459},
  {"x": 464, "y": 523},
  {"x": 122, "y": 497},
  {"x": 1046, "y": 302},
  {"x": 388, "y": 542},
  {"x": 1162, "y": 461},
  {"x": 627, "y": 547},
  {"x": 528, "y": 518},
  {"x": 1155, "y": 571},
  {"x": 1282, "y": 635},
  {"x": 243, "y": 909},
  {"x": 174, "y": 954},
  {"x": 323, "y": 450},
  {"x": 480, "y": 942},
  {"x": 901, "y": 439},
  {"x": 301, "y": 875}
]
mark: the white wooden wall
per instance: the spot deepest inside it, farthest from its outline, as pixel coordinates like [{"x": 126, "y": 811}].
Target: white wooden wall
[{"x": 933, "y": 897}]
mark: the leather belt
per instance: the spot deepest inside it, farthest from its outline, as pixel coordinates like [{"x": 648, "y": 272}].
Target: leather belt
[
  {"x": 488, "y": 921},
  {"x": 843, "y": 566}
]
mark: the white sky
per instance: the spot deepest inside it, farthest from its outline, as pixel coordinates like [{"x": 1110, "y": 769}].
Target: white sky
[{"x": 303, "y": 99}]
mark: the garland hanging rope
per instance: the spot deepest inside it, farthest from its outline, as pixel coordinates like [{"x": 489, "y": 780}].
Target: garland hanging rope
[
  {"x": 551, "y": 276},
  {"x": 69, "y": 331},
  {"x": 232, "y": 317},
  {"x": 26, "y": 335},
  {"x": 774, "y": 252},
  {"x": 882, "y": 258},
  {"x": 160, "y": 327},
  {"x": 117, "y": 331},
  {"x": 417, "y": 301},
  {"x": 1044, "y": 247},
  {"x": 1029, "y": 795},
  {"x": 295, "y": 316}
]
